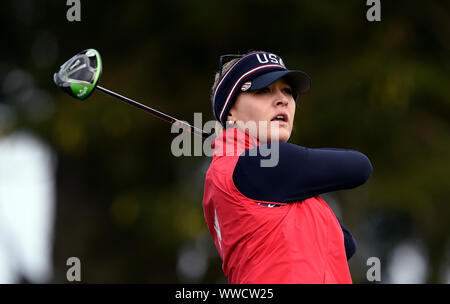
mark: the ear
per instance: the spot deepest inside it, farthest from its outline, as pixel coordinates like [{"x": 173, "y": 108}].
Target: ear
[{"x": 230, "y": 118}]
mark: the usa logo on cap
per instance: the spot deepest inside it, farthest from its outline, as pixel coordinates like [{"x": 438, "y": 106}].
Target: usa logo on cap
[{"x": 246, "y": 86}]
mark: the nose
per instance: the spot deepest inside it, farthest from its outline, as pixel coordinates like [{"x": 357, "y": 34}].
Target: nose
[{"x": 280, "y": 98}]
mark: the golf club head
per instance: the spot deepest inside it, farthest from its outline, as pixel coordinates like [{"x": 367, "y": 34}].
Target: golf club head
[{"x": 79, "y": 76}]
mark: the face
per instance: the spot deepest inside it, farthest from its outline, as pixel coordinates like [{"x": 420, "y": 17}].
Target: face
[{"x": 268, "y": 111}]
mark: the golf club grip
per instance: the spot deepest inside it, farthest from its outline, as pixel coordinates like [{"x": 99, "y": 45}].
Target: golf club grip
[{"x": 154, "y": 112}]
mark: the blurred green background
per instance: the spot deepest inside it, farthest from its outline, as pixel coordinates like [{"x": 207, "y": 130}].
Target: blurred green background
[{"x": 132, "y": 212}]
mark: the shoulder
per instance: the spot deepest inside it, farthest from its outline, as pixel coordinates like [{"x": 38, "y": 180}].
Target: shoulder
[{"x": 228, "y": 146}]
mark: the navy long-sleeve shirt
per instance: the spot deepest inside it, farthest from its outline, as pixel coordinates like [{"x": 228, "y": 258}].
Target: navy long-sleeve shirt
[{"x": 302, "y": 173}]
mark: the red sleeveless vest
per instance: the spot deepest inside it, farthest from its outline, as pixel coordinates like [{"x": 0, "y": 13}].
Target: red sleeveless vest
[{"x": 299, "y": 242}]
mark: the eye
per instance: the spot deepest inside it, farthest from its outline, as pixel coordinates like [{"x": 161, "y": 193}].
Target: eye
[{"x": 288, "y": 91}]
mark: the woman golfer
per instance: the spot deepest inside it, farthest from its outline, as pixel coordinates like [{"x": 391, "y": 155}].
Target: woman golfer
[{"x": 262, "y": 199}]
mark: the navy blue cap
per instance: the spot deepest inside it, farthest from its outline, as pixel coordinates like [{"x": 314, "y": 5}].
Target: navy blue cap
[{"x": 254, "y": 71}]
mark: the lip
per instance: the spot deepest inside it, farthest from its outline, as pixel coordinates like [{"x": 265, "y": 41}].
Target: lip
[{"x": 286, "y": 118}]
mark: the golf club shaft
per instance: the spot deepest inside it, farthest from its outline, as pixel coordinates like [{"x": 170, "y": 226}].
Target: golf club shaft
[{"x": 156, "y": 113}]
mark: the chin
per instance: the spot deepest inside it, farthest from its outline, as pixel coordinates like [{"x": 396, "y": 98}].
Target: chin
[
  {"x": 265, "y": 135},
  {"x": 283, "y": 136}
]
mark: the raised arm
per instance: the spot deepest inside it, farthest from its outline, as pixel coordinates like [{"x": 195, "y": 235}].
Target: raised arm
[{"x": 300, "y": 173}]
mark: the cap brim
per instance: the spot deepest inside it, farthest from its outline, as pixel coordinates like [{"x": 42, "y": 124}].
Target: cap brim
[{"x": 299, "y": 80}]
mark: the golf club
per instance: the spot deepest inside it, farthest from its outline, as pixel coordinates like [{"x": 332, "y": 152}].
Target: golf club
[{"x": 79, "y": 77}]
